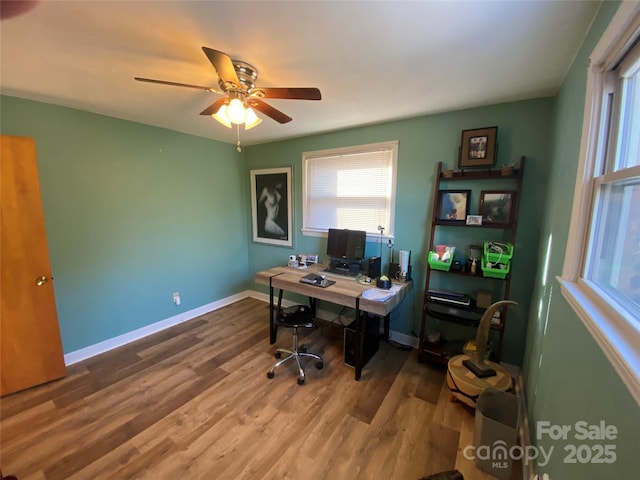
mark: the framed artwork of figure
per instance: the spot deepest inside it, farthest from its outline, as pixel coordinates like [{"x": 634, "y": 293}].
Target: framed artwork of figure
[{"x": 271, "y": 206}]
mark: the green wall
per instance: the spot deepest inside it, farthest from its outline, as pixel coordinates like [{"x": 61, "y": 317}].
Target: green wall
[
  {"x": 132, "y": 213},
  {"x": 524, "y": 129},
  {"x": 568, "y": 378}
]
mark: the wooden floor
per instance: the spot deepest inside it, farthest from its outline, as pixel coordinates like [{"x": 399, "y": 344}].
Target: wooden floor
[{"x": 194, "y": 402}]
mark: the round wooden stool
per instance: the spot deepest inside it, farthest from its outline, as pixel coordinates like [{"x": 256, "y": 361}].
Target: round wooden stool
[{"x": 466, "y": 387}]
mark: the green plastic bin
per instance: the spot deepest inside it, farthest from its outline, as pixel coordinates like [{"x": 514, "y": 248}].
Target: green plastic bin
[
  {"x": 435, "y": 264},
  {"x": 495, "y": 271},
  {"x": 494, "y": 255}
]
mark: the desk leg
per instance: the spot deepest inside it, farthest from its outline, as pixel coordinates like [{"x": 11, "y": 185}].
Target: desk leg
[
  {"x": 273, "y": 326},
  {"x": 359, "y": 340},
  {"x": 272, "y": 323},
  {"x": 313, "y": 305},
  {"x": 387, "y": 321}
]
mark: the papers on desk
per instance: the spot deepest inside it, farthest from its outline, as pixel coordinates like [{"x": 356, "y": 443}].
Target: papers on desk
[{"x": 381, "y": 294}]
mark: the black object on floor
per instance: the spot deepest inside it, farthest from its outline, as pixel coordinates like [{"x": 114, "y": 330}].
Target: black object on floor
[{"x": 448, "y": 475}]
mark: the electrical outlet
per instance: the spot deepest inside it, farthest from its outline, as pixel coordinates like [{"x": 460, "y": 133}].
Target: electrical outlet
[{"x": 176, "y": 298}]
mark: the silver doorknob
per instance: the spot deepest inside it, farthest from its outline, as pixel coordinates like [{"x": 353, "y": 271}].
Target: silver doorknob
[{"x": 41, "y": 281}]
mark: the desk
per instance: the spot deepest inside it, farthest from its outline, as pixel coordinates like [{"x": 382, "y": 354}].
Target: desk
[{"x": 345, "y": 291}]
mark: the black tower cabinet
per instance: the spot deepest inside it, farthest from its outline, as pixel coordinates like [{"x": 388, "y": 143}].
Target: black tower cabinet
[{"x": 371, "y": 340}]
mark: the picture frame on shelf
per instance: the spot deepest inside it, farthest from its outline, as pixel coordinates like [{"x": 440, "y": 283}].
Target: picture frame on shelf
[
  {"x": 453, "y": 206},
  {"x": 474, "y": 220},
  {"x": 271, "y": 206},
  {"x": 496, "y": 207},
  {"x": 478, "y": 148}
]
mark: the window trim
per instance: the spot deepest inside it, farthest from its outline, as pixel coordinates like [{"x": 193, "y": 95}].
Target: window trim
[
  {"x": 391, "y": 145},
  {"x": 615, "y": 333}
]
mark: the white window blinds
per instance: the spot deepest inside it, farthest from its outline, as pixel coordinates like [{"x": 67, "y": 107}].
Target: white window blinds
[{"x": 350, "y": 188}]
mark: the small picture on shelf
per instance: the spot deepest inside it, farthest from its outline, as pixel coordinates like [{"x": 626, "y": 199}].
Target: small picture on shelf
[
  {"x": 496, "y": 207},
  {"x": 474, "y": 219},
  {"x": 453, "y": 205}
]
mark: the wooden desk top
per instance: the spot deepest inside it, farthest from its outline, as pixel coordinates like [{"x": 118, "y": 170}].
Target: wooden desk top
[{"x": 343, "y": 292}]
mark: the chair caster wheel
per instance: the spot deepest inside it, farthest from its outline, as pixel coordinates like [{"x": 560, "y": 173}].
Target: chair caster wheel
[
  {"x": 302, "y": 348},
  {"x": 271, "y": 374},
  {"x": 300, "y": 381},
  {"x": 277, "y": 355},
  {"x": 319, "y": 365}
]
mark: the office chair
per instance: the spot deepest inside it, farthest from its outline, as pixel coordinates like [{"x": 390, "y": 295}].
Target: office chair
[{"x": 295, "y": 317}]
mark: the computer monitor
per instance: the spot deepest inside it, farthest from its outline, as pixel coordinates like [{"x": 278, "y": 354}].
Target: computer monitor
[{"x": 346, "y": 244}]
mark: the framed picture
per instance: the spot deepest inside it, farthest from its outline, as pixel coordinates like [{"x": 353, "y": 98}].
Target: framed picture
[
  {"x": 271, "y": 206},
  {"x": 453, "y": 205},
  {"x": 496, "y": 207},
  {"x": 478, "y": 148},
  {"x": 474, "y": 219}
]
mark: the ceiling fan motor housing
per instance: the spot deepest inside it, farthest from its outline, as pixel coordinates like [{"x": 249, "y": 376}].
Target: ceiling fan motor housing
[
  {"x": 247, "y": 74},
  {"x": 237, "y": 80}
]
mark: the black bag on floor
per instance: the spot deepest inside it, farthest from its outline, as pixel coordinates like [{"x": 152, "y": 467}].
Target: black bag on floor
[{"x": 448, "y": 475}]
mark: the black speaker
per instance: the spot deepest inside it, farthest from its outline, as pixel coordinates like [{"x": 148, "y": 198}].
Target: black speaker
[
  {"x": 394, "y": 270},
  {"x": 374, "y": 267}
]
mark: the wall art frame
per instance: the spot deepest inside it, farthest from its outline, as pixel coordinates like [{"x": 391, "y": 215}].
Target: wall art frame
[
  {"x": 453, "y": 206},
  {"x": 272, "y": 206},
  {"x": 496, "y": 207},
  {"x": 478, "y": 148}
]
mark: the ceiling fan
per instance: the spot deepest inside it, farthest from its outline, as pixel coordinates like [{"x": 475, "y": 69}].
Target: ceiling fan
[{"x": 237, "y": 82}]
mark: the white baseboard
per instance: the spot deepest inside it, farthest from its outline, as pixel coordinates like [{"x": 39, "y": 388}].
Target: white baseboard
[
  {"x": 523, "y": 418},
  {"x": 115, "y": 342},
  {"x": 528, "y": 472},
  {"x": 404, "y": 339}
]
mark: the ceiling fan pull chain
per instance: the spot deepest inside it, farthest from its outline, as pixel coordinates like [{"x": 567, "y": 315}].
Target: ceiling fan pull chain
[{"x": 239, "y": 148}]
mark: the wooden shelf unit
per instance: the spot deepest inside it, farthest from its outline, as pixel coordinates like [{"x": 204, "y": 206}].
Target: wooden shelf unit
[{"x": 441, "y": 351}]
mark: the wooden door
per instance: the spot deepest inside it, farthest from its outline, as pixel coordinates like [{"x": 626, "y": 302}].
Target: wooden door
[{"x": 30, "y": 344}]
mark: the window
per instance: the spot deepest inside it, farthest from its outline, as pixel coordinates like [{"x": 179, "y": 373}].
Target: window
[
  {"x": 601, "y": 275},
  {"x": 351, "y": 188},
  {"x": 613, "y": 256}
]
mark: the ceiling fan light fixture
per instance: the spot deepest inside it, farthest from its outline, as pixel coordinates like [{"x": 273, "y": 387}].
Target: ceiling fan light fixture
[
  {"x": 236, "y": 112},
  {"x": 221, "y": 116},
  {"x": 252, "y": 119},
  {"x": 237, "y": 83}
]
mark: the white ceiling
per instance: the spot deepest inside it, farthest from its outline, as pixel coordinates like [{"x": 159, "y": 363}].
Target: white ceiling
[{"x": 372, "y": 61}]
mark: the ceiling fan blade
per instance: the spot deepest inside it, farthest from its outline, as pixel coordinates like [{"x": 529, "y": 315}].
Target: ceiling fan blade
[
  {"x": 223, "y": 65},
  {"x": 176, "y": 84},
  {"x": 213, "y": 108},
  {"x": 268, "y": 110},
  {"x": 292, "y": 93}
]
